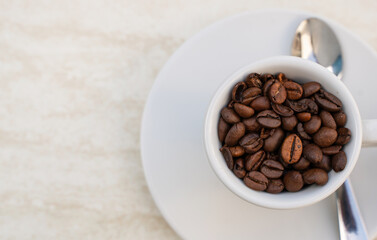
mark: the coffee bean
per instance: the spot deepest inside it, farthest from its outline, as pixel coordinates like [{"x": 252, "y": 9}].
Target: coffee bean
[
  {"x": 282, "y": 110},
  {"x": 328, "y": 101},
  {"x": 313, "y": 153},
  {"x": 289, "y": 123},
  {"x": 237, "y": 91},
  {"x": 273, "y": 142},
  {"x": 272, "y": 156},
  {"x": 253, "y": 80},
  {"x": 301, "y": 132},
  {"x": 293, "y": 181},
  {"x": 344, "y": 136},
  {"x": 237, "y": 151},
  {"x": 260, "y": 104},
  {"x": 272, "y": 169},
  {"x": 325, "y": 163},
  {"x": 228, "y": 157},
  {"x": 291, "y": 149},
  {"x": 222, "y": 129},
  {"x": 251, "y": 124},
  {"x": 327, "y": 119},
  {"x": 332, "y": 150},
  {"x": 304, "y": 116},
  {"x": 302, "y": 164},
  {"x": 313, "y": 125},
  {"x": 281, "y": 77},
  {"x": 230, "y": 116},
  {"x": 267, "y": 86},
  {"x": 325, "y": 137},
  {"x": 266, "y": 132},
  {"x": 305, "y": 142},
  {"x": 339, "y": 161},
  {"x": 275, "y": 186},
  {"x": 267, "y": 76},
  {"x": 256, "y": 181},
  {"x": 252, "y": 162},
  {"x": 235, "y": 133},
  {"x": 277, "y": 93},
  {"x": 243, "y": 110},
  {"x": 251, "y": 142},
  {"x": 315, "y": 175},
  {"x": 310, "y": 88},
  {"x": 312, "y": 106},
  {"x": 340, "y": 118},
  {"x": 269, "y": 119},
  {"x": 297, "y": 106},
  {"x": 239, "y": 168},
  {"x": 250, "y": 94},
  {"x": 294, "y": 90}
]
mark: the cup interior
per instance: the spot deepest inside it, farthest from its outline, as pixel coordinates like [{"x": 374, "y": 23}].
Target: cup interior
[{"x": 301, "y": 71}]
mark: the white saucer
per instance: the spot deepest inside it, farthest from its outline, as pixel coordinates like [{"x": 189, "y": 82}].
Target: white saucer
[{"x": 191, "y": 198}]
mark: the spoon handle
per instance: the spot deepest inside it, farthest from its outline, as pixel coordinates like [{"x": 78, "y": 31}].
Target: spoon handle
[{"x": 351, "y": 225}]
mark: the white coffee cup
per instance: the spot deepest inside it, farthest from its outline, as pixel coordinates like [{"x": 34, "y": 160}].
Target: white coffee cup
[{"x": 363, "y": 131}]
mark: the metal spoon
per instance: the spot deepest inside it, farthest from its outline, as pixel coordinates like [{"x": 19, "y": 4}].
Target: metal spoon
[{"x": 314, "y": 40}]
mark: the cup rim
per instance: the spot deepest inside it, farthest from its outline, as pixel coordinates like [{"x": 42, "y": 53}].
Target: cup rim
[{"x": 260, "y": 198}]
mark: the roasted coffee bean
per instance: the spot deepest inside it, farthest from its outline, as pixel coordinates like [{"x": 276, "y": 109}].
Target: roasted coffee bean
[
  {"x": 313, "y": 125},
  {"x": 239, "y": 168},
  {"x": 272, "y": 169},
  {"x": 275, "y": 186},
  {"x": 310, "y": 88},
  {"x": 267, "y": 76},
  {"x": 344, "y": 136},
  {"x": 339, "y": 161},
  {"x": 269, "y": 119},
  {"x": 230, "y": 104},
  {"x": 237, "y": 151},
  {"x": 282, "y": 110},
  {"x": 281, "y": 77},
  {"x": 325, "y": 163},
  {"x": 301, "y": 132},
  {"x": 273, "y": 142},
  {"x": 294, "y": 90},
  {"x": 289, "y": 123},
  {"x": 312, "y": 153},
  {"x": 228, "y": 157},
  {"x": 328, "y": 101},
  {"x": 293, "y": 181},
  {"x": 327, "y": 120},
  {"x": 272, "y": 156},
  {"x": 304, "y": 116},
  {"x": 332, "y": 150},
  {"x": 230, "y": 116},
  {"x": 252, "y": 162},
  {"x": 237, "y": 91},
  {"x": 325, "y": 137},
  {"x": 305, "y": 142},
  {"x": 251, "y": 142},
  {"x": 253, "y": 80},
  {"x": 302, "y": 164},
  {"x": 256, "y": 181},
  {"x": 312, "y": 106},
  {"x": 291, "y": 149},
  {"x": 250, "y": 94},
  {"x": 315, "y": 175},
  {"x": 267, "y": 86},
  {"x": 243, "y": 110},
  {"x": 251, "y": 124},
  {"x": 340, "y": 118},
  {"x": 235, "y": 133},
  {"x": 297, "y": 106},
  {"x": 222, "y": 129},
  {"x": 260, "y": 104},
  {"x": 277, "y": 93},
  {"x": 266, "y": 132}
]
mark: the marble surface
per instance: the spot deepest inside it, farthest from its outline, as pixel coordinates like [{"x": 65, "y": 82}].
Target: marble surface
[{"x": 75, "y": 76}]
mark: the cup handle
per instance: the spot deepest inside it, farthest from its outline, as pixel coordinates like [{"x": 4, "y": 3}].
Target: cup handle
[{"x": 369, "y": 132}]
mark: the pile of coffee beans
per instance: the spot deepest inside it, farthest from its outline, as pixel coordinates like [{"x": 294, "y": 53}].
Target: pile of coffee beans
[{"x": 278, "y": 135}]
